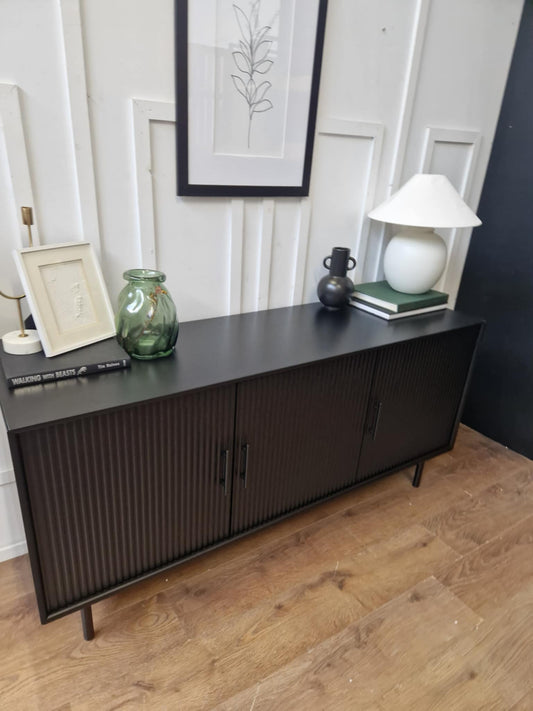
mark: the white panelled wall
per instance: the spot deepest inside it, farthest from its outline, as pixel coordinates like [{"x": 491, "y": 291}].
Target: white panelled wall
[{"x": 87, "y": 138}]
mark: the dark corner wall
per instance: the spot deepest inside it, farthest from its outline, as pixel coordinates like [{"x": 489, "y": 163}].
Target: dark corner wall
[{"x": 497, "y": 280}]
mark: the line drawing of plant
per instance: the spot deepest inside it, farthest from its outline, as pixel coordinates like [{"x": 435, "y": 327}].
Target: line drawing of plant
[{"x": 252, "y": 60}]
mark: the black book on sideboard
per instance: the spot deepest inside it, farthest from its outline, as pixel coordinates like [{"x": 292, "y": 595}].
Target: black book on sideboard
[{"x": 36, "y": 368}]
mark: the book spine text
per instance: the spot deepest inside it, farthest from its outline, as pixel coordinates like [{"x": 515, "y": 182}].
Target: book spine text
[{"x": 62, "y": 374}]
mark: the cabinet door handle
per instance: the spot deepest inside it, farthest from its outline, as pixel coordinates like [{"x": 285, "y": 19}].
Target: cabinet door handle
[
  {"x": 244, "y": 471},
  {"x": 224, "y": 478},
  {"x": 376, "y": 421}
]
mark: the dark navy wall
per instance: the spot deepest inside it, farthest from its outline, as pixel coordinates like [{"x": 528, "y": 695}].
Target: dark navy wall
[{"x": 497, "y": 281}]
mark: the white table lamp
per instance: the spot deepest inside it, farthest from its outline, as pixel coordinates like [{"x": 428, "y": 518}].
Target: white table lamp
[{"x": 416, "y": 256}]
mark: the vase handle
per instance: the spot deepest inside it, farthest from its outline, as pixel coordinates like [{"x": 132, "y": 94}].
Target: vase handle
[
  {"x": 351, "y": 259},
  {"x": 325, "y": 260}
]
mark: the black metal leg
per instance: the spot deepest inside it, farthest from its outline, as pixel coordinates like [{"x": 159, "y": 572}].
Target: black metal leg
[
  {"x": 87, "y": 622},
  {"x": 418, "y": 474}
]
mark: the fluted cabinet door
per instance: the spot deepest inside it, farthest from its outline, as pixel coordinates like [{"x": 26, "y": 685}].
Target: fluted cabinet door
[
  {"x": 416, "y": 399},
  {"x": 298, "y": 435},
  {"x": 117, "y": 495}
]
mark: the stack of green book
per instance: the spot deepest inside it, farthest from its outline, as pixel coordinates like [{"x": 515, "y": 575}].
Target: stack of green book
[{"x": 382, "y": 300}]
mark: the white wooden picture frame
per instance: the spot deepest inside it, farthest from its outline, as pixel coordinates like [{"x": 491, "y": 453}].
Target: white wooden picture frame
[{"x": 67, "y": 295}]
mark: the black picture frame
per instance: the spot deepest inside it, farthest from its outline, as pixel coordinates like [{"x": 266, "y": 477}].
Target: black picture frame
[{"x": 186, "y": 183}]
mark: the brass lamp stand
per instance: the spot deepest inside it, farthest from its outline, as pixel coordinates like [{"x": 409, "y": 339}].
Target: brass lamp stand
[{"x": 23, "y": 341}]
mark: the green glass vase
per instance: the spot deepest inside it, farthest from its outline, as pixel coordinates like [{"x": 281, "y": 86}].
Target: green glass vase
[{"x": 146, "y": 321}]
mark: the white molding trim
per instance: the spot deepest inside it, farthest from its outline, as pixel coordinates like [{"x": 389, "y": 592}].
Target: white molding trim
[
  {"x": 143, "y": 112},
  {"x": 436, "y": 135},
  {"x": 412, "y": 75},
  {"x": 74, "y": 68},
  {"x": 374, "y": 132},
  {"x": 17, "y": 157},
  {"x": 7, "y": 476},
  {"x": 265, "y": 254},
  {"x": 13, "y": 550},
  {"x": 459, "y": 238},
  {"x": 302, "y": 249},
  {"x": 235, "y": 256}
]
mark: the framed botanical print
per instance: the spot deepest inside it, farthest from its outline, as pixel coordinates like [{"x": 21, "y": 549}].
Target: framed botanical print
[{"x": 247, "y": 80}]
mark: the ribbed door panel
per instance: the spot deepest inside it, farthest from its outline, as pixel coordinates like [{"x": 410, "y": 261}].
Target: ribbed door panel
[
  {"x": 415, "y": 400},
  {"x": 303, "y": 429},
  {"x": 117, "y": 495}
]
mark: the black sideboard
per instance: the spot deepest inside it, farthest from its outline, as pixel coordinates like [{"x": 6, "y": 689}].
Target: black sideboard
[{"x": 255, "y": 416}]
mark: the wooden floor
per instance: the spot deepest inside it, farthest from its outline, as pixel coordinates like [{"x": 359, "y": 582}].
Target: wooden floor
[{"x": 388, "y": 597}]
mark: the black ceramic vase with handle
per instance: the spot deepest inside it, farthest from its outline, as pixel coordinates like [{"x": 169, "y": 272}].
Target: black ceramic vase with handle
[{"x": 335, "y": 288}]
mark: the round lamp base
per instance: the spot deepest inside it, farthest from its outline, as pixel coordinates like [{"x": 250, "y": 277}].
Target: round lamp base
[
  {"x": 414, "y": 260},
  {"x": 17, "y": 344}
]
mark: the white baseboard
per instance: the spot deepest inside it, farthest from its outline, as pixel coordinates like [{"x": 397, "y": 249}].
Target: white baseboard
[
  {"x": 6, "y": 476},
  {"x": 12, "y": 551},
  {"x": 12, "y": 539}
]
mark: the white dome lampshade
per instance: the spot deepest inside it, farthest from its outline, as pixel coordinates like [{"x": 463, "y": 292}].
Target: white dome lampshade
[{"x": 416, "y": 256}]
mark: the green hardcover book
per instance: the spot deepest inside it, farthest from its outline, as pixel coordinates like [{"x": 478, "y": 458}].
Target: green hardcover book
[
  {"x": 393, "y": 315},
  {"x": 381, "y": 294}
]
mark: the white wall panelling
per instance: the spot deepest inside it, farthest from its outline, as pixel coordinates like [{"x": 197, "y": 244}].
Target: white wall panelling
[
  {"x": 459, "y": 40},
  {"x": 74, "y": 68},
  {"x": 448, "y": 137},
  {"x": 15, "y": 191},
  {"x": 416, "y": 45},
  {"x": 235, "y": 256},
  {"x": 17, "y": 159},
  {"x": 143, "y": 112},
  {"x": 403, "y": 124},
  {"x": 256, "y": 250},
  {"x": 347, "y": 160},
  {"x": 88, "y": 140},
  {"x": 454, "y": 153},
  {"x": 373, "y": 133},
  {"x": 302, "y": 243},
  {"x": 265, "y": 254},
  {"x": 251, "y": 225}
]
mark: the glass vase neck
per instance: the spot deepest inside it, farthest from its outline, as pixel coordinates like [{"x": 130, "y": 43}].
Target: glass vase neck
[{"x": 144, "y": 275}]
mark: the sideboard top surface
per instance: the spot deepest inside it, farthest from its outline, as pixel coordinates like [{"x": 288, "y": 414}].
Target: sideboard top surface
[{"x": 221, "y": 350}]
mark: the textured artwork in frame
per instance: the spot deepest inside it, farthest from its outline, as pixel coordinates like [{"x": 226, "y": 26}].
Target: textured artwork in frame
[
  {"x": 247, "y": 80},
  {"x": 67, "y": 295}
]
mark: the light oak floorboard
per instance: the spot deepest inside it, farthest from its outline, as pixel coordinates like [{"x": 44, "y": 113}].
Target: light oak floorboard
[
  {"x": 353, "y": 668},
  {"x": 487, "y": 577},
  {"x": 475, "y": 520},
  {"x": 525, "y": 703},
  {"x": 494, "y": 674}
]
